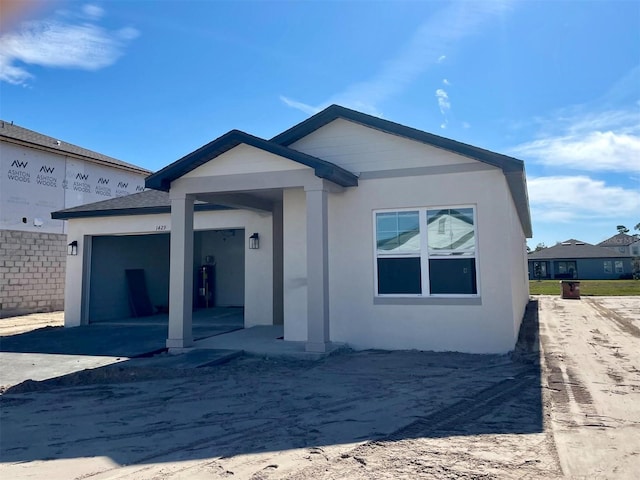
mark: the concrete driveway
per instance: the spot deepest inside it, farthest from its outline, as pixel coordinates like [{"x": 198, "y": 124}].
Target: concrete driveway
[{"x": 53, "y": 351}]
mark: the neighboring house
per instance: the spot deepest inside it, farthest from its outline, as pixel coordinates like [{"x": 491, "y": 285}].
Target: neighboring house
[
  {"x": 573, "y": 259},
  {"x": 623, "y": 244},
  {"x": 345, "y": 228},
  {"x": 634, "y": 248},
  {"x": 39, "y": 175}
]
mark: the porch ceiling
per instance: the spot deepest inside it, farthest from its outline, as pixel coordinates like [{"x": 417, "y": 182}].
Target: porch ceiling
[{"x": 261, "y": 200}]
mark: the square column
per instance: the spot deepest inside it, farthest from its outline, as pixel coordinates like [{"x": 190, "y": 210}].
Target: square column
[
  {"x": 181, "y": 274},
  {"x": 317, "y": 270}
]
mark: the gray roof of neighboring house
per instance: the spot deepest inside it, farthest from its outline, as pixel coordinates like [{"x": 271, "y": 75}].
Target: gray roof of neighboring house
[
  {"x": 513, "y": 168},
  {"x": 22, "y": 136},
  {"x": 619, "y": 240},
  {"x": 572, "y": 249},
  {"x": 143, "y": 203},
  {"x": 162, "y": 179}
]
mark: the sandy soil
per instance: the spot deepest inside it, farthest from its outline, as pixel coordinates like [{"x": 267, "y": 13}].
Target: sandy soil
[
  {"x": 26, "y": 323},
  {"x": 357, "y": 415},
  {"x": 591, "y": 353}
]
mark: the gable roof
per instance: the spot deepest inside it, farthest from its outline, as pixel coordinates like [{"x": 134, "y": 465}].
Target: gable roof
[
  {"x": 329, "y": 114},
  {"x": 143, "y": 203},
  {"x": 23, "y": 136},
  {"x": 619, "y": 240},
  {"x": 512, "y": 167},
  {"x": 570, "y": 249},
  {"x": 162, "y": 179}
]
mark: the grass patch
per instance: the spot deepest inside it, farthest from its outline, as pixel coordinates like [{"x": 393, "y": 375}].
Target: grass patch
[{"x": 588, "y": 287}]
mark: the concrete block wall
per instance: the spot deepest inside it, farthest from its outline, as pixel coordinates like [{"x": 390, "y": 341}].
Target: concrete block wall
[{"x": 32, "y": 272}]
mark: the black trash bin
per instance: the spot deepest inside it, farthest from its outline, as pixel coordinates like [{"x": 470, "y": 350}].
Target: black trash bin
[{"x": 570, "y": 289}]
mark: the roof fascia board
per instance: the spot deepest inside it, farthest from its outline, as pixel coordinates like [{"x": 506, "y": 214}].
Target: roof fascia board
[{"x": 117, "y": 212}]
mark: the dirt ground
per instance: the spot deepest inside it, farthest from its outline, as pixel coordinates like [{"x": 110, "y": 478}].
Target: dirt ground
[
  {"x": 26, "y": 323},
  {"x": 572, "y": 411}
]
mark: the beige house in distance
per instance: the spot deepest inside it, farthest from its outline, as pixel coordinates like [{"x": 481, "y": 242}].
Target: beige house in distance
[{"x": 345, "y": 229}]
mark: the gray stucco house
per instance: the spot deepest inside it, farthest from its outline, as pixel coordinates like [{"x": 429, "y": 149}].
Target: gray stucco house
[
  {"x": 578, "y": 260},
  {"x": 343, "y": 229}
]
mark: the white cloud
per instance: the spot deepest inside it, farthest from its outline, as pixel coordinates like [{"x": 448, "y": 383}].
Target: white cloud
[
  {"x": 60, "y": 44},
  {"x": 442, "y": 58},
  {"x": 444, "y": 104},
  {"x": 308, "y": 109},
  {"x": 446, "y": 82},
  {"x": 564, "y": 199},
  {"x": 93, "y": 11},
  {"x": 443, "y": 101},
  {"x": 441, "y": 32},
  {"x": 592, "y": 151}
]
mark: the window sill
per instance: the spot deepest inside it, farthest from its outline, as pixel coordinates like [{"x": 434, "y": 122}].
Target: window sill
[{"x": 427, "y": 300}]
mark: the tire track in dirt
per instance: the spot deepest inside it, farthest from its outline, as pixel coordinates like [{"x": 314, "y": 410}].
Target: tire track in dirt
[
  {"x": 624, "y": 324},
  {"x": 456, "y": 416}
]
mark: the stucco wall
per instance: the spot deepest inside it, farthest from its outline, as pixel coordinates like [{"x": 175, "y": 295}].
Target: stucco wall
[
  {"x": 295, "y": 265},
  {"x": 488, "y": 327},
  {"x": 32, "y": 272},
  {"x": 491, "y": 326},
  {"x": 258, "y": 275}
]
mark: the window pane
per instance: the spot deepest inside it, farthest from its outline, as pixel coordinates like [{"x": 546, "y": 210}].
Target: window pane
[
  {"x": 619, "y": 267},
  {"x": 453, "y": 276},
  {"x": 398, "y": 232},
  {"x": 451, "y": 231},
  {"x": 607, "y": 267},
  {"x": 399, "y": 276}
]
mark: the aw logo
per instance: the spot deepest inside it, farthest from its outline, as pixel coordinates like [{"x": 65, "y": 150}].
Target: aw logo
[
  {"x": 45, "y": 169},
  {"x": 123, "y": 184},
  {"x": 19, "y": 164},
  {"x": 103, "y": 181},
  {"x": 139, "y": 188},
  {"x": 17, "y": 173},
  {"x": 82, "y": 176}
]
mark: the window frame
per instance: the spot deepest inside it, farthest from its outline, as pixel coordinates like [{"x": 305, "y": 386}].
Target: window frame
[{"x": 424, "y": 255}]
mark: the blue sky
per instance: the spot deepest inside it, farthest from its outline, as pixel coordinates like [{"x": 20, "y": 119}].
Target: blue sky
[{"x": 556, "y": 84}]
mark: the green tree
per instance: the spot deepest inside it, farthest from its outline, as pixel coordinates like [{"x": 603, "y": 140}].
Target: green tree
[{"x": 622, "y": 229}]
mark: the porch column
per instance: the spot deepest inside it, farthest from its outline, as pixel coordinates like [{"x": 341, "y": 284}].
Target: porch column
[
  {"x": 317, "y": 270},
  {"x": 181, "y": 273}
]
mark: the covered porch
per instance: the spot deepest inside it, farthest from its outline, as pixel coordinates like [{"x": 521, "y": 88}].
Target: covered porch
[{"x": 245, "y": 172}]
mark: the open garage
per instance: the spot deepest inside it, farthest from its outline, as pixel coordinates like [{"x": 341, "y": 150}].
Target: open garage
[{"x": 126, "y": 264}]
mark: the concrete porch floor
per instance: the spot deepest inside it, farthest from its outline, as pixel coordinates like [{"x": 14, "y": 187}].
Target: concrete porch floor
[{"x": 263, "y": 341}]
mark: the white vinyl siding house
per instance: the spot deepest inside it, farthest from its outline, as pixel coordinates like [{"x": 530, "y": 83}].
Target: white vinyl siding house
[{"x": 372, "y": 234}]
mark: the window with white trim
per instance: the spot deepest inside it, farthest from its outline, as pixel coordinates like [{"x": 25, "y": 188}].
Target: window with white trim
[
  {"x": 426, "y": 252},
  {"x": 619, "y": 266}
]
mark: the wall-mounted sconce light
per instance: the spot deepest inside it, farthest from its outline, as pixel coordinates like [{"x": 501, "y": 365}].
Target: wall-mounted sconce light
[
  {"x": 72, "y": 248},
  {"x": 254, "y": 241}
]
